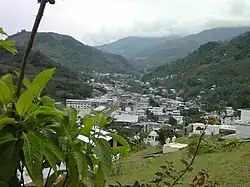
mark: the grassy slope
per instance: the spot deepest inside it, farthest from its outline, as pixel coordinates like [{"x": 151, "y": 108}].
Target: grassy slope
[{"x": 229, "y": 169}]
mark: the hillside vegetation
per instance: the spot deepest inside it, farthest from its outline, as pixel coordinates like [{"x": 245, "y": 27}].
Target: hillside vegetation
[
  {"x": 130, "y": 46},
  {"x": 217, "y": 73},
  {"x": 65, "y": 83},
  {"x": 152, "y": 52},
  {"x": 67, "y": 51}
]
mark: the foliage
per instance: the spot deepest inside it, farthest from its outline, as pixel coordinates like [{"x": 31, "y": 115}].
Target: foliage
[
  {"x": 74, "y": 55},
  {"x": 165, "y": 133},
  {"x": 46, "y": 136},
  {"x": 67, "y": 83},
  {"x": 172, "y": 121},
  {"x": 217, "y": 73},
  {"x": 7, "y": 44},
  {"x": 213, "y": 144}
]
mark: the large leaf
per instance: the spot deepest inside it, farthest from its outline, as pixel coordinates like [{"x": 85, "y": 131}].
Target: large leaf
[
  {"x": 119, "y": 139},
  {"x": 24, "y": 103},
  {"x": 7, "y": 79},
  {"x": 50, "y": 158},
  {"x": 88, "y": 123},
  {"x": 26, "y": 81},
  {"x": 103, "y": 152},
  {"x": 71, "y": 115},
  {"x": 82, "y": 165},
  {"x": 6, "y": 138},
  {"x": 100, "y": 177},
  {"x": 9, "y": 159},
  {"x": 6, "y": 121},
  {"x": 8, "y": 45},
  {"x": 46, "y": 111},
  {"x": 40, "y": 81},
  {"x": 47, "y": 101},
  {"x": 5, "y": 93},
  {"x": 33, "y": 155}
]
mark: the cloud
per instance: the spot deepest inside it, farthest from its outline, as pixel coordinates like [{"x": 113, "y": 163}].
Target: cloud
[{"x": 101, "y": 21}]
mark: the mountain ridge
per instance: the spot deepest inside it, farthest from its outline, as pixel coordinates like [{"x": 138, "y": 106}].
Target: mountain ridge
[
  {"x": 66, "y": 50},
  {"x": 217, "y": 73}
]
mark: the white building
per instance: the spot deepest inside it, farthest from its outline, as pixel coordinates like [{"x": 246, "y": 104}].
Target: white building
[
  {"x": 242, "y": 126},
  {"x": 197, "y": 129},
  {"x": 89, "y": 103},
  {"x": 156, "y": 111}
]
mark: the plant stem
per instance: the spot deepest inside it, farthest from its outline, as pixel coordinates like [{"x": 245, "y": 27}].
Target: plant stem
[
  {"x": 192, "y": 161},
  {"x": 29, "y": 46}
]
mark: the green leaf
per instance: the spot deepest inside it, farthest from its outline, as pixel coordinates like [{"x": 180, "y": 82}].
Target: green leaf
[
  {"x": 103, "y": 152},
  {"x": 6, "y": 121},
  {"x": 26, "y": 81},
  {"x": 71, "y": 114},
  {"x": 88, "y": 123},
  {"x": 5, "y": 93},
  {"x": 33, "y": 155},
  {"x": 40, "y": 81},
  {"x": 45, "y": 110},
  {"x": 7, "y": 79},
  {"x": 100, "y": 177},
  {"x": 50, "y": 158},
  {"x": 55, "y": 150},
  {"x": 119, "y": 139},
  {"x": 82, "y": 165},
  {"x": 7, "y": 138},
  {"x": 48, "y": 101},
  {"x": 3, "y": 32},
  {"x": 24, "y": 103},
  {"x": 8, "y": 45},
  {"x": 9, "y": 159}
]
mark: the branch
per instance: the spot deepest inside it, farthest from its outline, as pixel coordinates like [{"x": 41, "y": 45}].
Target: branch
[
  {"x": 47, "y": 179},
  {"x": 29, "y": 46},
  {"x": 192, "y": 161}
]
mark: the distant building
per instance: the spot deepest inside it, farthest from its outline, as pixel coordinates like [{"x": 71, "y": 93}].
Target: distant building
[{"x": 89, "y": 103}]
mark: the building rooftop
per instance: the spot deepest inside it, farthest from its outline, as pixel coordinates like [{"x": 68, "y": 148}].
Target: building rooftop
[{"x": 127, "y": 118}]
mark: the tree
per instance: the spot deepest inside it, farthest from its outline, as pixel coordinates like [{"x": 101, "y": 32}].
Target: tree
[
  {"x": 165, "y": 133},
  {"x": 172, "y": 121}
]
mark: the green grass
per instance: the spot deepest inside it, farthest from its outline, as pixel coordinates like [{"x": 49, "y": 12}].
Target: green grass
[{"x": 228, "y": 169}]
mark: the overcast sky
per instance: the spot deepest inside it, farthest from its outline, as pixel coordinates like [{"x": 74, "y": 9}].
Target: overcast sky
[{"x": 96, "y": 22}]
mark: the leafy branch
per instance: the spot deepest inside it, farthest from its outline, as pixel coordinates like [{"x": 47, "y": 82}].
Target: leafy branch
[{"x": 193, "y": 158}]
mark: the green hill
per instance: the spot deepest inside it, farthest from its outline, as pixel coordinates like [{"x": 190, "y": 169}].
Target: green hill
[
  {"x": 180, "y": 47},
  {"x": 216, "y": 73},
  {"x": 65, "y": 83},
  {"x": 130, "y": 46},
  {"x": 67, "y": 51}
]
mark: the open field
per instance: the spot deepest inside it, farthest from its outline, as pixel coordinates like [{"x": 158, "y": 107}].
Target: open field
[{"x": 228, "y": 169}]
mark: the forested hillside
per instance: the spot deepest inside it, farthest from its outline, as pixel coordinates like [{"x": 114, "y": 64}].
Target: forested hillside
[
  {"x": 67, "y": 51},
  {"x": 180, "y": 47},
  {"x": 130, "y": 46},
  {"x": 65, "y": 83},
  {"x": 217, "y": 73}
]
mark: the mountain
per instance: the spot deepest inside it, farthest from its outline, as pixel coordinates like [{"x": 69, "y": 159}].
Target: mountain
[
  {"x": 152, "y": 52},
  {"x": 180, "y": 47},
  {"x": 130, "y": 46},
  {"x": 65, "y": 83},
  {"x": 67, "y": 51},
  {"x": 215, "y": 73}
]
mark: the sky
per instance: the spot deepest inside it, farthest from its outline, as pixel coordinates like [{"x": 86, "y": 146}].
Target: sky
[{"x": 95, "y": 22}]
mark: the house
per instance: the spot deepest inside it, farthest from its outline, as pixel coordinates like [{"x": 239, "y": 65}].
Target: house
[
  {"x": 197, "y": 129},
  {"x": 157, "y": 111},
  {"x": 126, "y": 119},
  {"x": 242, "y": 126},
  {"x": 89, "y": 103}
]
